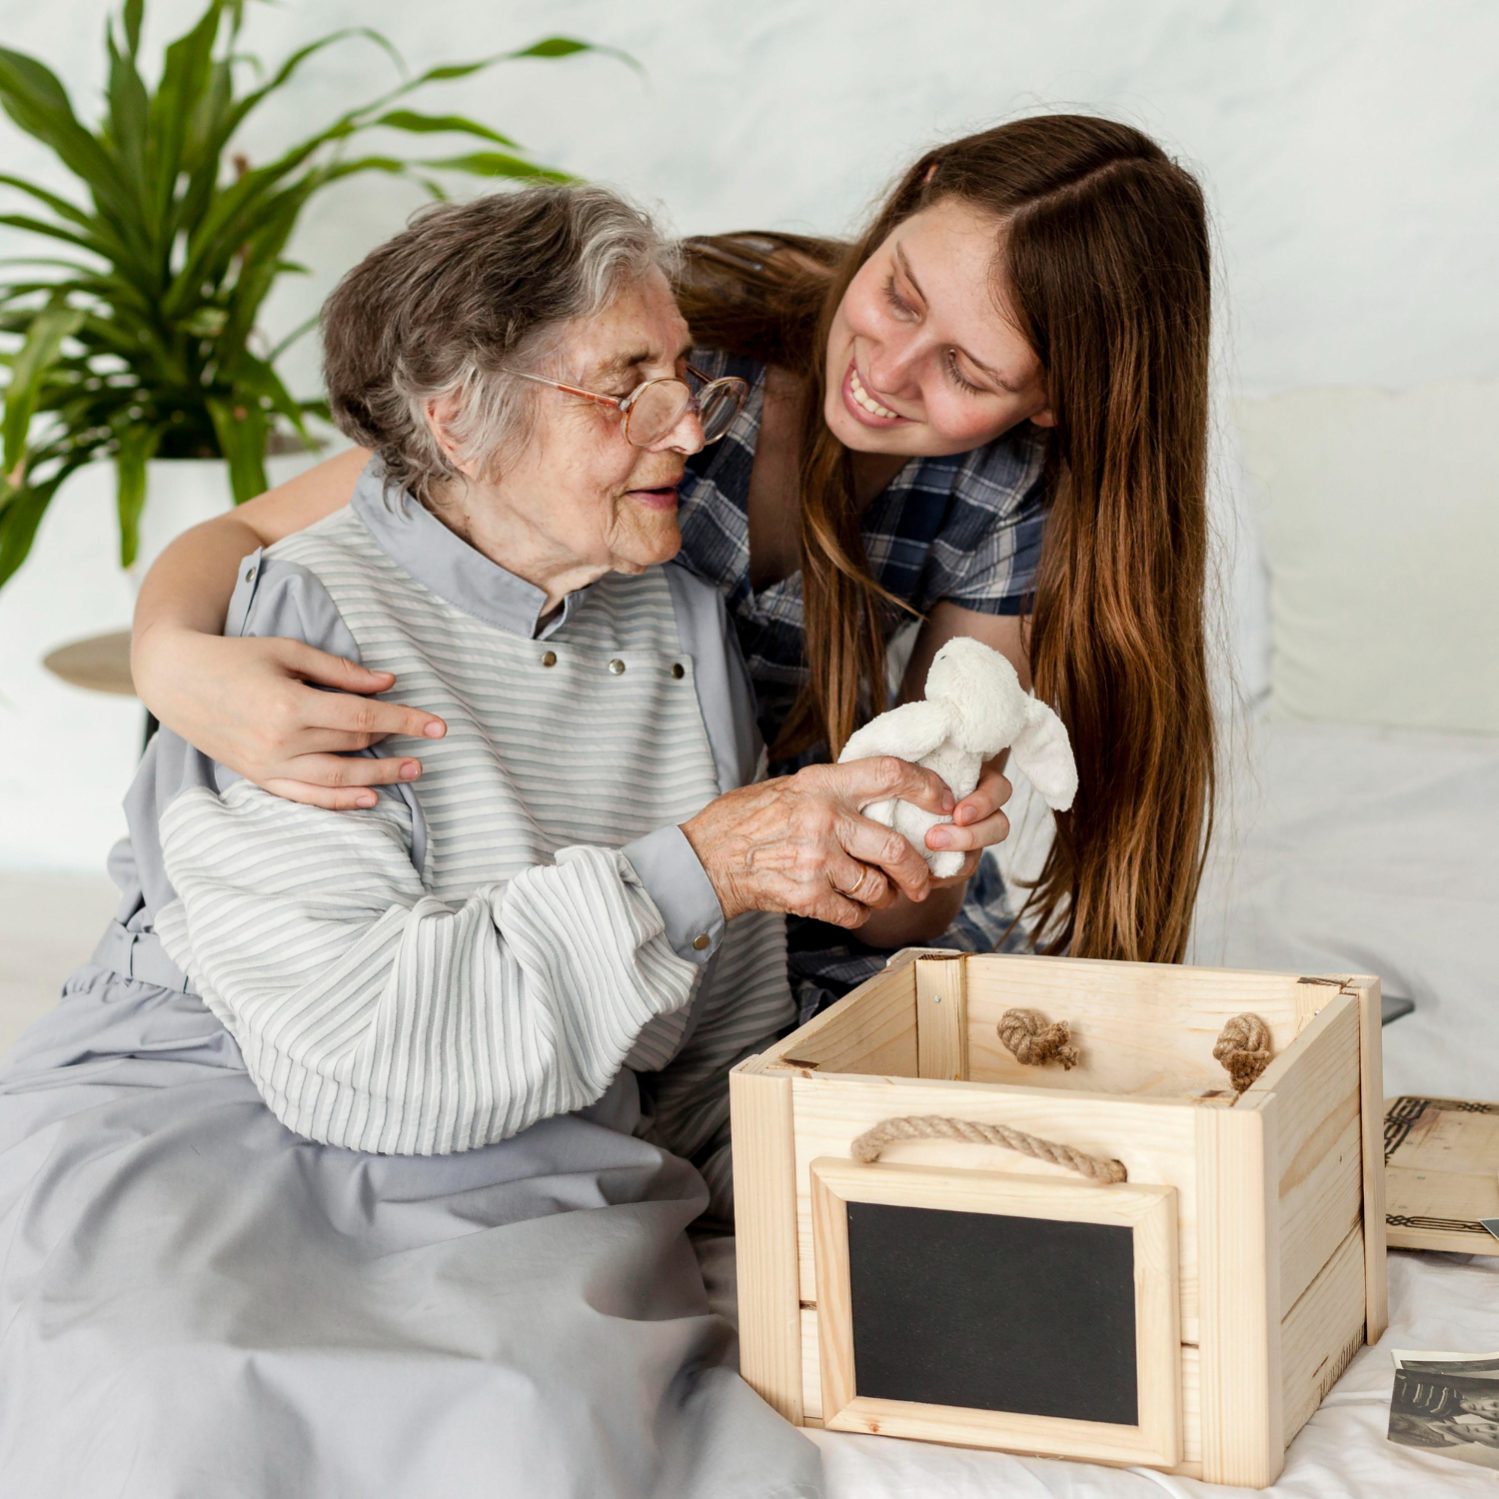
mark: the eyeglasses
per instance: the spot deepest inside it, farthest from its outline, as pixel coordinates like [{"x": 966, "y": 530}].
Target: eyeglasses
[{"x": 653, "y": 409}]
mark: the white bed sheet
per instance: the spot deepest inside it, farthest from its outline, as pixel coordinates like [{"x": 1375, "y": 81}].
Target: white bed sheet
[
  {"x": 1370, "y": 851},
  {"x": 1436, "y": 1301},
  {"x": 1341, "y": 849}
]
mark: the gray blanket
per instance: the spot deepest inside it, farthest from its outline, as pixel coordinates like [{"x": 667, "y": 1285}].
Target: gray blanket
[{"x": 196, "y": 1302}]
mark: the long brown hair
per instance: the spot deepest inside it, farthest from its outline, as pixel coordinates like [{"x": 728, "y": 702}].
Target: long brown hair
[{"x": 1103, "y": 252}]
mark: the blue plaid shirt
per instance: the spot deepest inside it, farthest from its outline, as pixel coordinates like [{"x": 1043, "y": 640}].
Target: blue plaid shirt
[{"x": 966, "y": 528}]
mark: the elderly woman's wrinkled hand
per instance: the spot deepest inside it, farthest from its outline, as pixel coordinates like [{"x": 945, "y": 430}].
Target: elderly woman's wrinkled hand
[{"x": 800, "y": 843}]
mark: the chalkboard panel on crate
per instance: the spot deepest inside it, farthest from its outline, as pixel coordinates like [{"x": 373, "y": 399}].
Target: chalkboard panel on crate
[
  {"x": 994, "y": 1312},
  {"x": 990, "y": 1308}
]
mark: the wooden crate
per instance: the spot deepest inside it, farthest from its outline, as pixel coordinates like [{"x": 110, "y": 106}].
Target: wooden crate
[{"x": 1275, "y": 1262}]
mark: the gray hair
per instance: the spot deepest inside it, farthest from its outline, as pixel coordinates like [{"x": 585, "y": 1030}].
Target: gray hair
[{"x": 435, "y": 313}]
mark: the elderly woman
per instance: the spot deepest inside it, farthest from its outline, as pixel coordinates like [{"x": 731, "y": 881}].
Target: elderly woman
[{"x": 360, "y": 1159}]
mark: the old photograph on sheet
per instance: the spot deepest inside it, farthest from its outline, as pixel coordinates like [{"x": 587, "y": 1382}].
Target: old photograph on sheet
[{"x": 1447, "y": 1404}]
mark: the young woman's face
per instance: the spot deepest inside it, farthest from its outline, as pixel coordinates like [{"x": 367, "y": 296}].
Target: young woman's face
[{"x": 923, "y": 359}]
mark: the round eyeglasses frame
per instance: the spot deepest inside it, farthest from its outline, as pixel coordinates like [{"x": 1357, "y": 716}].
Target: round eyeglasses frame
[{"x": 728, "y": 385}]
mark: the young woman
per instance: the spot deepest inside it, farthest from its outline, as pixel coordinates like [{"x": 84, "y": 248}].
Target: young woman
[{"x": 987, "y": 414}]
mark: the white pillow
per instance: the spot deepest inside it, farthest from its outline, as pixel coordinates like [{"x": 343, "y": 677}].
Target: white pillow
[{"x": 1380, "y": 526}]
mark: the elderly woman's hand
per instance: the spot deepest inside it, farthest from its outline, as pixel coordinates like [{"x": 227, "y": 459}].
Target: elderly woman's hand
[
  {"x": 978, "y": 823},
  {"x": 800, "y": 843}
]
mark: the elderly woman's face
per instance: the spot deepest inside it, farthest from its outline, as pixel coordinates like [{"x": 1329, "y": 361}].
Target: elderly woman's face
[{"x": 582, "y": 496}]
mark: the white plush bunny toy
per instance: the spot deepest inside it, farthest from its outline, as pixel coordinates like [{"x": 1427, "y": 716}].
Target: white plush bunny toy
[{"x": 974, "y": 707}]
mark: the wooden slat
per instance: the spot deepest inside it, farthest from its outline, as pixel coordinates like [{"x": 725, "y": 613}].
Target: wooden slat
[
  {"x": 1154, "y": 1138},
  {"x": 1140, "y": 1028},
  {"x": 1366, "y": 990},
  {"x": 1313, "y": 992},
  {"x": 872, "y": 1030},
  {"x": 835, "y": 1313},
  {"x": 1191, "y": 1408},
  {"x": 811, "y": 1369},
  {"x": 1322, "y": 1332},
  {"x": 1311, "y": 1097},
  {"x": 908, "y": 955},
  {"x": 765, "y": 1236},
  {"x": 941, "y": 1018},
  {"x": 1239, "y": 1322}
]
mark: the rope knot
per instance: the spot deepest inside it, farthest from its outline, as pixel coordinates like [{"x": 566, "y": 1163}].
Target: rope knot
[
  {"x": 1033, "y": 1042},
  {"x": 1244, "y": 1048}
]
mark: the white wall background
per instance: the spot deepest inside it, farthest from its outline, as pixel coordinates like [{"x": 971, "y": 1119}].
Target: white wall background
[{"x": 1350, "y": 150}]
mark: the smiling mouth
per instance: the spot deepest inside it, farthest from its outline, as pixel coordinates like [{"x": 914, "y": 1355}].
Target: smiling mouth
[
  {"x": 658, "y": 497},
  {"x": 866, "y": 402}
]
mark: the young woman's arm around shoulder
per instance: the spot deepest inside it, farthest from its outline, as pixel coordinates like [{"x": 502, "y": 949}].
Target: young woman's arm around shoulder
[{"x": 253, "y": 704}]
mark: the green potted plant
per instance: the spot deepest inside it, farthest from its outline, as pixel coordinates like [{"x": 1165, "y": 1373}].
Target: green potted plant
[{"x": 130, "y": 334}]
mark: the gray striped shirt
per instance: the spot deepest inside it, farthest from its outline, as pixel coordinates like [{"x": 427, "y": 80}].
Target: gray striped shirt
[{"x": 491, "y": 944}]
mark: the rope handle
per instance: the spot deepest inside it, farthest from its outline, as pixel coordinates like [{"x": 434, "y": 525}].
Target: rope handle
[{"x": 938, "y": 1127}]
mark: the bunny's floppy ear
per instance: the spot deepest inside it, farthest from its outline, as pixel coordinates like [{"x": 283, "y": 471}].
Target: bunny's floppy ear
[{"x": 1044, "y": 753}]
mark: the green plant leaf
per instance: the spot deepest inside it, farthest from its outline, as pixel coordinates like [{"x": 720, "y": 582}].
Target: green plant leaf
[
  {"x": 31, "y": 95},
  {"x": 105, "y": 333},
  {"x": 568, "y": 46},
  {"x": 423, "y": 124},
  {"x": 41, "y": 226},
  {"x": 182, "y": 109},
  {"x": 38, "y": 354},
  {"x": 128, "y": 107},
  {"x": 97, "y": 236},
  {"x": 225, "y": 224},
  {"x": 232, "y": 217},
  {"x": 232, "y": 118},
  {"x": 58, "y": 205},
  {"x": 261, "y": 263},
  {"x": 137, "y": 445},
  {"x": 105, "y": 287},
  {"x": 497, "y": 164},
  {"x": 201, "y": 157},
  {"x": 255, "y": 378},
  {"x": 300, "y": 331},
  {"x": 241, "y": 430},
  {"x": 134, "y": 12},
  {"x": 54, "y": 260},
  {"x": 21, "y": 512}
]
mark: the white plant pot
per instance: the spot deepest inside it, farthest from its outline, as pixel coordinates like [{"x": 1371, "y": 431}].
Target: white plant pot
[{"x": 181, "y": 492}]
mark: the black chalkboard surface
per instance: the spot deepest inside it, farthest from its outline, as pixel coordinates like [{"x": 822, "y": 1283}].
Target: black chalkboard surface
[{"x": 993, "y": 1312}]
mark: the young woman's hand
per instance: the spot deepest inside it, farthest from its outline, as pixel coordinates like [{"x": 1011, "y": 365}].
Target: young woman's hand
[
  {"x": 256, "y": 705},
  {"x": 978, "y": 821},
  {"x": 800, "y": 843}
]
